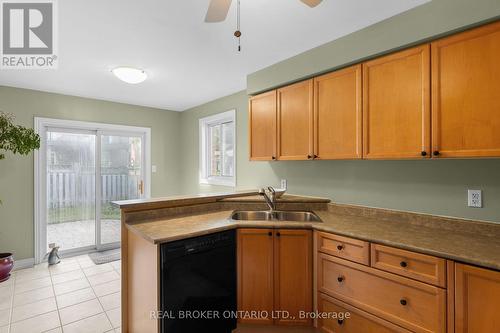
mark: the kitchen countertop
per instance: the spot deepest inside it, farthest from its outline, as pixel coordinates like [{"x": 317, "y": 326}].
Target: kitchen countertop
[
  {"x": 179, "y": 200},
  {"x": 476, "y": 243},
  {"x": 285, "y": 198}
]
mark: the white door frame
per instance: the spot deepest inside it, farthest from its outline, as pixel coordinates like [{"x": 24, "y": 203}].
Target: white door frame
[{"x": 40, "y": 126}]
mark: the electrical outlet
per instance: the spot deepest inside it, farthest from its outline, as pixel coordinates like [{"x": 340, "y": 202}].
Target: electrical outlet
[
  {"x": 153, "y": 168},
  {"x": 283, "y": 184},
  {"x": 474, "y": 198}
]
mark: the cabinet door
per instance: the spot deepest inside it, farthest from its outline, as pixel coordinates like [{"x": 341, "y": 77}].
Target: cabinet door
[
  {"x": 337, "y": 114},
  {"x": 465, "y": 94},
  {"x": 255, "y": 273},
  {"x": 396, "y": 105},
  {"x": 477, "y": 300},
  {"x": 293, "y": 275},
  {"x": 295, "y": 121},
  {"x": 262, "y": 126}
]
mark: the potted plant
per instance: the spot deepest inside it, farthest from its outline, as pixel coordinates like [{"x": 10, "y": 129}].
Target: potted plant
[
  {"x": 6, "y": 264},
  {"x": 18, "y": 140}
]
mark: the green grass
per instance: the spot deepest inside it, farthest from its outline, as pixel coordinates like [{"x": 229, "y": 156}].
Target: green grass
[{"x": 78, "y": 213}]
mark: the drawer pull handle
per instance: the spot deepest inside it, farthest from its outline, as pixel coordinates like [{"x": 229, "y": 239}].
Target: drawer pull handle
[
  {"x": 270, "y": 233},
  {"x": 340, "y": 321},
  {"x": 340, "y": 247},
  {"x": 403, "y": 264},
  {"x": 341, "y": 279},
  {"x": 403, "y": 301}
]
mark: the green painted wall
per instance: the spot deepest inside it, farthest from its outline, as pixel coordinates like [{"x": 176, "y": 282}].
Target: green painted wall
[
  {"x": 16, "y": 173},
  {"x": 436, "y": 187},
  {"x": 248, "y": 174},
  {"x": 435, "y": 18},
  {"x": 430, "y": 186}
]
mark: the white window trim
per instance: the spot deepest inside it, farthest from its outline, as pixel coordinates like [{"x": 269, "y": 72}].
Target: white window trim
[
  {"x": 40, "y": 126},
  {"x": 203, "y": 149}
]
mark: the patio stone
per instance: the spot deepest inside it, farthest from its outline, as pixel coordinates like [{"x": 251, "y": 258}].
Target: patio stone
[{"x": 71, "y": 235}]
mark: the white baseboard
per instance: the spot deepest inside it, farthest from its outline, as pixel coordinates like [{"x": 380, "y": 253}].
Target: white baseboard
[{"x": 24, "y": 263}]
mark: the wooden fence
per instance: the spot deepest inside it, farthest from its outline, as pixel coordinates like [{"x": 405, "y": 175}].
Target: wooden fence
[{"x": 71, "y": 195}]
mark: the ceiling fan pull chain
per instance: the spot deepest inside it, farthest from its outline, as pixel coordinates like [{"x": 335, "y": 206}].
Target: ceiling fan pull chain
[{"x": 237, "y": 33}]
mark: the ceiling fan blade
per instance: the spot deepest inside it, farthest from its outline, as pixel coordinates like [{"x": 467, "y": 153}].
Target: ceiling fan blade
[
  {"x": 312, "y": 3},
  {"x": 217, "y": 10}
]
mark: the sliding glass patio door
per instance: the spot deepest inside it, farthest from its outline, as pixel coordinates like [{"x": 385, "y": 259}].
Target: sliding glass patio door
[
  {"x": 121, "y": 178},
  {"x": 81, "y": 171},
  {"x": 70, "y": 178}
]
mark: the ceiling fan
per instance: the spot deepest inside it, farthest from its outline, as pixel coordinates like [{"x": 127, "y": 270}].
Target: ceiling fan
[{"x": 217, "y": 10}]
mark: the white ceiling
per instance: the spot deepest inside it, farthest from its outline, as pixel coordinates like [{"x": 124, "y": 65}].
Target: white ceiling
[{"x": 189, "y": 62}]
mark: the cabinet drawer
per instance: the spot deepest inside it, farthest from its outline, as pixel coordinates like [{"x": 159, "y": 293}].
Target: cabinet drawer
[
  {"x": 358, "y": 321},
  {"x": 344, "y": 247},
  {"x": 414, "y": 305},
  {"x": 417, "y": 266}
]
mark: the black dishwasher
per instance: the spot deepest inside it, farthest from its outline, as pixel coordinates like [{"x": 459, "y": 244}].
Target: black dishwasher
[{"x": 198, "y": 284}]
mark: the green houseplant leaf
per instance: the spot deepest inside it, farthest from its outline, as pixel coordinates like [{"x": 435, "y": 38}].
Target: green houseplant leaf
[{"x": 15, "y": 138}]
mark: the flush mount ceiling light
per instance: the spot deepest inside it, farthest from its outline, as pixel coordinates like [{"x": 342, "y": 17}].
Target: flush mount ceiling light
[{"x": 130, "y": 75}]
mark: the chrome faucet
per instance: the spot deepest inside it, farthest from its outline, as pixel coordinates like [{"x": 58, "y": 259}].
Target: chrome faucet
[{"x": 270, "y": 199}]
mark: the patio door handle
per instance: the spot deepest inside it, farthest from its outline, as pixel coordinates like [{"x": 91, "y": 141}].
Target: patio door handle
[{"x": 141, "y": 187}]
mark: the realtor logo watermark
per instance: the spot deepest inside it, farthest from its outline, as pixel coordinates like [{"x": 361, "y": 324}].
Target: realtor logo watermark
[{"x": 29, "y": 34}]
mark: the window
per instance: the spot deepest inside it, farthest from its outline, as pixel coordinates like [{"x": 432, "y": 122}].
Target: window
[{"x": 218, "y": 149}]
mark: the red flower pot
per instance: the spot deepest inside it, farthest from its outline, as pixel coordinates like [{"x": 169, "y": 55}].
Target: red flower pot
[{"x": 6, "y": 264}]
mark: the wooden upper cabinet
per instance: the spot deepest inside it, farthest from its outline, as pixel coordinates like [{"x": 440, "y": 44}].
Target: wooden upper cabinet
[
  {"x": 396, "y": 105},
  {"x": 465, "y": 93},
  {"x": 293, "y": 262},
  {"x": 477, "y": 300},
  {"x": 262, "y": 126},
  {"x": 337, "y": 114},
  {"x": 295, "y": 121},
  {"x": 255, "y": 273}
]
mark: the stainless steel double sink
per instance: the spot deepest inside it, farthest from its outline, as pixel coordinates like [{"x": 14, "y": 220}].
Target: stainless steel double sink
[{"x": 275, "y": 215}]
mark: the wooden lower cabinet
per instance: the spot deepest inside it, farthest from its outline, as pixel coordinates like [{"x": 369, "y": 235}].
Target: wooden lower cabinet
[
  {"x": 343, "y": 247},
  {"x": 293, "y": 275},
  {"x": 140, "y": 284},
  {"x": 275, "y": 275},
  {"x": 477, "y": 300},
  {"x": 255, "y": 273},
  {"x": 402, "y": 291},
  {"x": 416, "y": 266},
  {"x": 341, "y": 317},
  {"x": 414, "y": 305}
]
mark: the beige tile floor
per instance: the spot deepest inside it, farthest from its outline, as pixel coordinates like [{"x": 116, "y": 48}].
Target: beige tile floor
[{"x": 73, "y": 296}]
